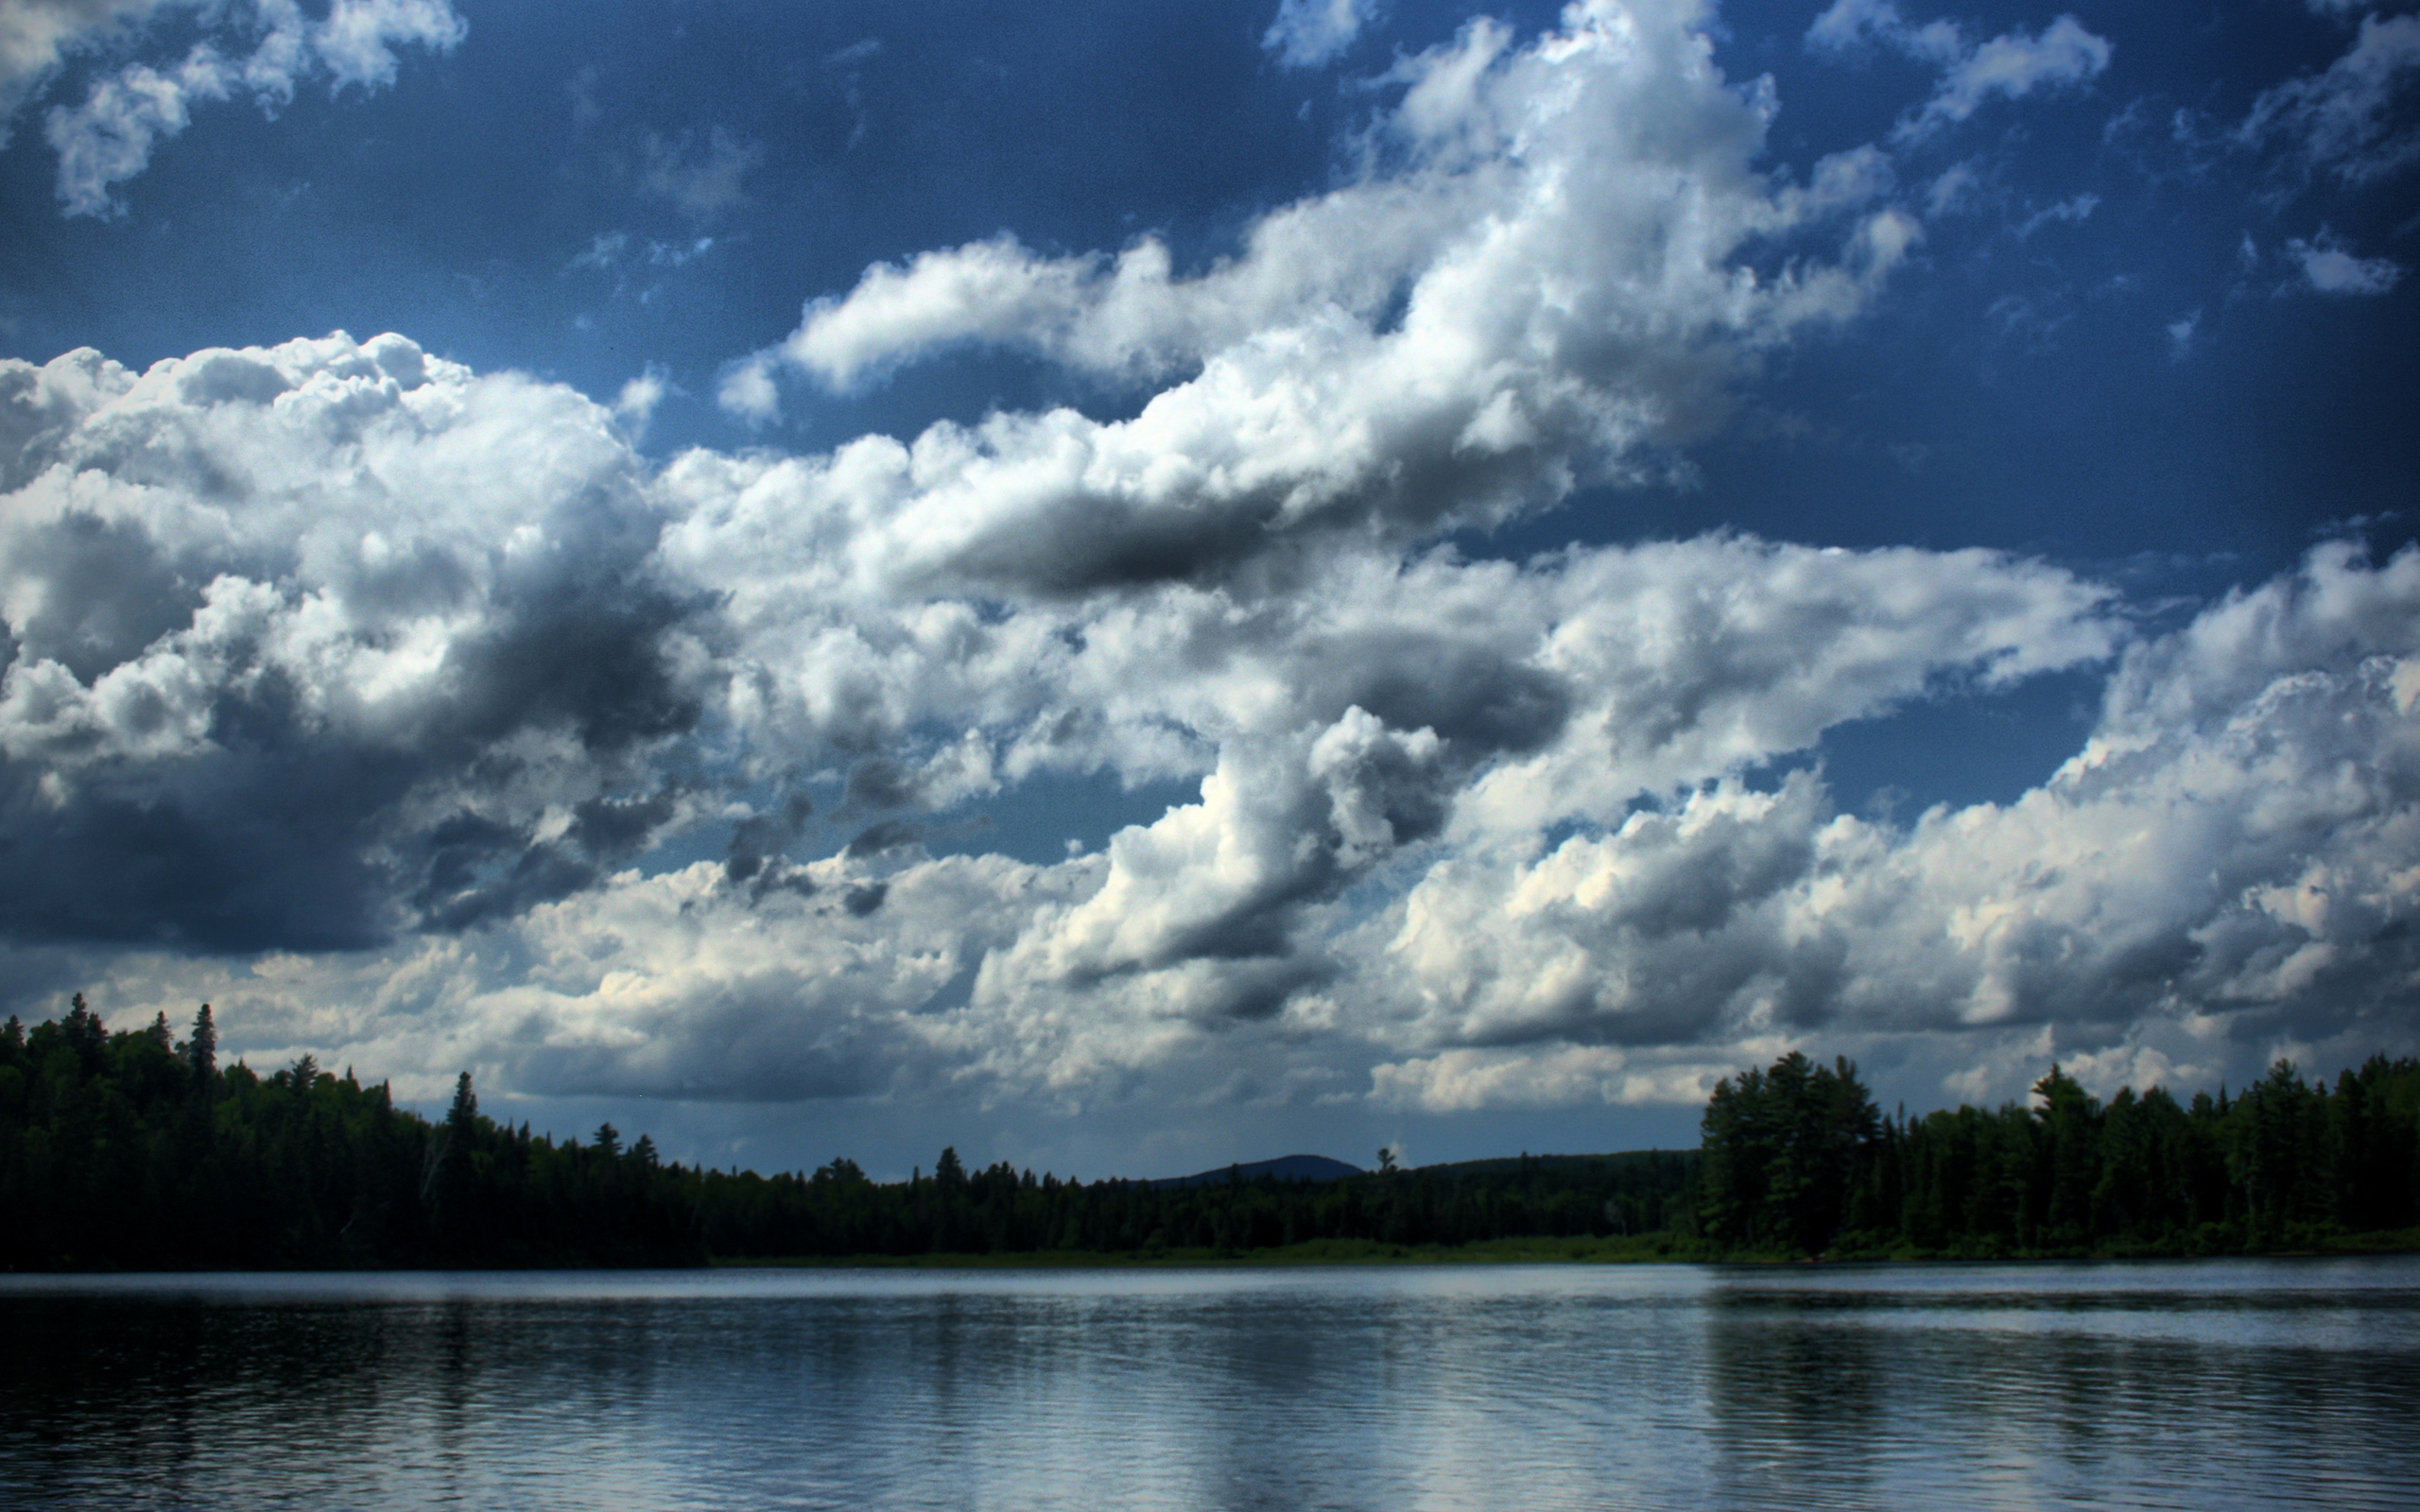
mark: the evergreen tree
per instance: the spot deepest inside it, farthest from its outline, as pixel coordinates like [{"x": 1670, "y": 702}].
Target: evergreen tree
[
  {"x": 201, "y": 1051},
  {"x": 1782, "y": 1151}
]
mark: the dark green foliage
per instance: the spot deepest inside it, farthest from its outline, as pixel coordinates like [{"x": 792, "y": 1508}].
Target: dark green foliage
[
  {"x": 131, "y": 1151},
  {"x": 2285, "y": 1166},
  {"x": 1783, "y": 1151},
  {"x": 837, "y": 1211}
]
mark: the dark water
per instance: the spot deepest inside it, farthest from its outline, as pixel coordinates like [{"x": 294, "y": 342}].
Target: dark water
[{"x": 2229, "y": 1385}]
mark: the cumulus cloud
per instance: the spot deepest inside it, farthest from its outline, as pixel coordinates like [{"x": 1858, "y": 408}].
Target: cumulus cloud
[
  {"x": 2233, "y": 852},
  {"x": 2233, "y": 846},
  {"x": 2009, "y": 66},
  {"x": 1389, "y": 709},
  {"x": 2328, "y": 267},
  {"x": 110, "y": 137},
  {"x": 310, "y": 641},
  {"x": 1547, "y": 277},
  {"x": 335, "y": 646},
  {"x": 364, "y": 689},
  {"x": 335, "y": 643}
]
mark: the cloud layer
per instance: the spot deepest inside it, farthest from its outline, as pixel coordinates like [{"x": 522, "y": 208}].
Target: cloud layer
[
  {"x": 1548, "y": 275},
  {"x": 336, "y": 645},
  {"x": 410, "y": 713}
]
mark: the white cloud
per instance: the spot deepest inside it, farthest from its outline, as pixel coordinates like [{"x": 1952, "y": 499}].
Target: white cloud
[
  {"x": 384, "y": 673},
  {"x": 1957, "y": 186},
  {"x": 1569, "y": 1075},
  {"x": 2345, "y": 121},
  {"x": 748, "y": 390},
  {"x": 2330, "y": 269},
  {"x": 1563, "y": 240},
  {"x": 604, "y": 249},
  {"x": 357, "y": 43},
  {"x": 2070, "y": 212},
  {"x": 2181, "y": 332},
  {"x": 110, "y": 137},
  {"x": 1849, "y": 24},
  {"x": 2009, "y": 66},
  {"x": 1467, "y": 833},
  {"x": 2236, "y": 838},
  {"x": 636, "y": 403},
  {"x": 1311, "y": 33},
  {"x": 37, "y": 35},
  {"x": 279, "y": 598}
]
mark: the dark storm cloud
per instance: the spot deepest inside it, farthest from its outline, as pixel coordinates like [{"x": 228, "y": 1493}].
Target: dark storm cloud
[
  {"x": 762, "y": 839},
  {"x": 885, "y": 834},
  {"x": 1089, "y": 543},
  {"x": 880, "y": 783},
  {"x": 578, "y": 641},
  {"x": 478, "y": 870},
  {"x": 240, "y": 851},
  {"x": 283, "y": 837},
  {"x": 1478, "y": 700}
]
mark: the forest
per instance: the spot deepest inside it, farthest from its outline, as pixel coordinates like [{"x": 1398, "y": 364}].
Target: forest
[
  {"x": 134, "y": 1149},
  {"x": 1797, "y": 1161}
]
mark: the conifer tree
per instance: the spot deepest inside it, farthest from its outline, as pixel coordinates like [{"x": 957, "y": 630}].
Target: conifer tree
[{"x": 201, "y": 1051}]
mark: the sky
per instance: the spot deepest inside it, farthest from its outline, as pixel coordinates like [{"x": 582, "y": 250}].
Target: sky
[{"x": 1128, "y": 587}]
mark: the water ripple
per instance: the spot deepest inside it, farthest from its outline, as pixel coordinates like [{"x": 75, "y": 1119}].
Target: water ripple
[{"x": 2216, "y": 1385}]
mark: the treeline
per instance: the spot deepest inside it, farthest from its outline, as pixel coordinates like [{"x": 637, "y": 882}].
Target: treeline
[
  {"x": 136, "y": 1150},
  {"x": 837, "y": 1211},
  {"x": 1796, "y": 1160}
]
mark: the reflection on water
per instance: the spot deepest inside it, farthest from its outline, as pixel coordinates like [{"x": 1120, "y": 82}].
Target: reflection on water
[{"x": 2209, "y": 1385}]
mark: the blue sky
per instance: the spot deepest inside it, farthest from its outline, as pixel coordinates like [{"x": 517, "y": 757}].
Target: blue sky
[{"x": 1130, "y": 587}]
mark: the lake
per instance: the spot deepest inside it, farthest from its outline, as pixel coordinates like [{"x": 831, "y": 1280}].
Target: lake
[{"x": 2235, "y": 1383}]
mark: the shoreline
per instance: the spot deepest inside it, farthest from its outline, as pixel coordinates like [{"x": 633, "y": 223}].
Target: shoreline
[{"x": 1645, "y": 1249}]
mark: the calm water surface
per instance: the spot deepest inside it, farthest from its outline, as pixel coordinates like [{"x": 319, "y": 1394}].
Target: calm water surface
[{"x": 2227, "y": 1384}]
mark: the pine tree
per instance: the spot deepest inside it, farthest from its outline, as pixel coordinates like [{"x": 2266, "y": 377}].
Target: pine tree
[{"x": 201, "y": 1051}]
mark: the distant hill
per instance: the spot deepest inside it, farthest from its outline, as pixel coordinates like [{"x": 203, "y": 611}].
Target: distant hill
[{"x": 1285, "y": 1168}]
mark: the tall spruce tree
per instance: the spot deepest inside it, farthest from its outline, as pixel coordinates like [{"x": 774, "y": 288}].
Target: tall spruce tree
[{"x": 201, "y": 1051}]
